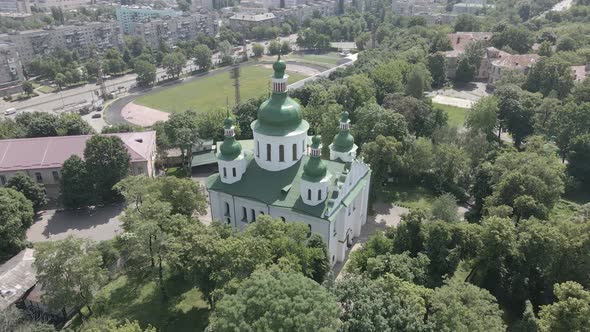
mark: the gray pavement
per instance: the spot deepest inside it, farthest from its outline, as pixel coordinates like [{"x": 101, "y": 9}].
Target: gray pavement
[{"x": 99, "y": 224}]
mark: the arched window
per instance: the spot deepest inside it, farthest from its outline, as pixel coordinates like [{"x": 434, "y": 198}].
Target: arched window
[
  {"x": 257, "y": 149},
  {"x": 228, "y": 221},
  {"x": 244, "y": 214},
  {"x": 224, "y": 172},
  {"x": 281, "y": 152},
  {"x": 268, "y": 151},
  {"x": 294, "y": 151},
  {"x": 233, "y": 171},
  {"x": 309, "y": 194},
  {"x": 226, "y": 208},
  {"x": 253, "y": 213},
  {"x": 319, "y": 194},
  {"x": 303, "y": 146},
  {"x": 261, "y": 213}
]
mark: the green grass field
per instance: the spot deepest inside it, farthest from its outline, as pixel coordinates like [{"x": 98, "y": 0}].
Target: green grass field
[
  {"x": 213, "y": 91},
  {"x": 330, "y": 58},
  {"x": 123, "y": 299},
  {"x": 457, "y": 115},
  {"x": 410, "y": 196}
]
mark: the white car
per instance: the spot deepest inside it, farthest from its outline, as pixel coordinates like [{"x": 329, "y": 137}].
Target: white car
[{"x": 10, "y": 111}]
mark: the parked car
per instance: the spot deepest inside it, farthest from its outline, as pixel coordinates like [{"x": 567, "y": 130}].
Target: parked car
[
  {"x": 96, "y": 115},
  {"x": 10, "y": 111}
]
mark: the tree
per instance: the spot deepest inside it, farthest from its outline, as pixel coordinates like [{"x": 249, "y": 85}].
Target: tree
[
  {"x": 444, "y": 208},
  {"x": 121, "y": 128},
  {"x": 274, "y": 47},
  {"x": 550, "y": 75},
  {"x": 32, "y": 190},
  {"x": 16, "y": 320},
  {"x": 38, "y": 124},
  {"x": 465, "y": 71},
  {"x": 385, "y": 304},
  {"x": 571, "y": 311},
  {"x": 285, "y": 47},
  {"x": 383, "y": 154},
  {"x": 460, "y": 306},
  {"x": 60, "y": 80},
  {"x": 421, "y": 118},
  {"x": 437, "y": 65},
  {"x": 107, "y": 162},
  {"x": 182, "y": 131},
  {"x": 545, "y": 49},
  {"x": 203, "y": 57},
  {"x": 579, "y": 158},
  {"x": 276, "y": 301},
  {"x": 16, "y": 215},
  {"x": 258, "y": 50},
  {"x": 27, "y": 87},
  {"x": 75, "y": 183},
  {"x": 70, "y": 272},
  {"x": 581, "y": 92},
  {"x": 146, "y": 73},
  {"x": 374, "y": 120},
  {"x": 518, "y": 39},
  {"x": 529, "y": 322},
  {"x": 483, "y": 117},
  {"x": 359, "y": 91},
  {"x": 419, "y": 80},
  {"x": 515, "y": 112},
  {"x": 73, "y": 124},
  {"x": 183, "y": 5},
  {"x": 174, "y": 62},
  {"x": 568, "y": 122},
  {"x": 102, "y": 324},
  {"x": 467, "y": 22}
]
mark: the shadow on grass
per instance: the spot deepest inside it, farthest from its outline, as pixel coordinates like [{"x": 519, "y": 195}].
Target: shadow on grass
[
  {"x": 411, "y": 196},
  {"x": 184, "y": 310}
]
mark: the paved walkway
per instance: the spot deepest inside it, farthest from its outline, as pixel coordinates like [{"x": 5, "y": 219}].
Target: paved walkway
[{"x": 95, "y": 224}]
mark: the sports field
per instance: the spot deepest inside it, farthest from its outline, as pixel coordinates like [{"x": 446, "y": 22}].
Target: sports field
[{"x": 213, "y": 91}]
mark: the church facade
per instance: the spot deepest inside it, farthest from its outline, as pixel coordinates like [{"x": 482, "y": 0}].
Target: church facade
[{"x": 285, "y": 177}]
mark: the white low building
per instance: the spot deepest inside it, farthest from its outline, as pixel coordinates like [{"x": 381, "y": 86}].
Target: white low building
[{"x": 285, "y": 177}]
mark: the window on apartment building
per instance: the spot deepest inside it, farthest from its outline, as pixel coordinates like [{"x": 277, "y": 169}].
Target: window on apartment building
[
  {"x": 55, "y": 175},
  {"x": 39, "y": 177},
  {"x": 2, "y": 180}
]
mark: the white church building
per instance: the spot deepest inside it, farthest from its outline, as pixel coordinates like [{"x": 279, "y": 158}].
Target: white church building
[{"x": 285, "y": 177}]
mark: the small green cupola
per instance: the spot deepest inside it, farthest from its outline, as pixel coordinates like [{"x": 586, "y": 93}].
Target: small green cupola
[
  {"x": 279, "y": 68},
  {"x": 230, "y": 148},
  {"x": 343, "y": 141},
  {"x": 315, "y": 168}
]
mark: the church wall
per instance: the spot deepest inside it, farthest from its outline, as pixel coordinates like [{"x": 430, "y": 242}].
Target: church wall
[
  {"x": 260, "y": 150},
  {"x": 250, "y": 205},
  {"x": 227, "y": 175}
]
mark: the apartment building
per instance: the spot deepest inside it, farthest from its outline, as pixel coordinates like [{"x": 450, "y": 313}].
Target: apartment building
[
  {"x": 11, "y": 72},
  {"x": 418, "y": 7},
  {"x": 15, "y": 6},
  {"x": 247, "y": 21},
  {"x": 173, "y": 29},
  {"x": 81, "y": 38},
  {"x": 130, "y": 16},
  {"x": 45, "y": 5}
]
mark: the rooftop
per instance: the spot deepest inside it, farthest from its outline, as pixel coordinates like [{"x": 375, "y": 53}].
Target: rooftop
[
  {"x": 51, "y": 152},
  {"x": 460, "y": 40},
  {"x": 515, "y": 60},
  {"x": 17, "y": 276},
  {"x": 580, "y": 73},
  {"x": 282, "y": 189},
  {"x": 252, "y": 17}
]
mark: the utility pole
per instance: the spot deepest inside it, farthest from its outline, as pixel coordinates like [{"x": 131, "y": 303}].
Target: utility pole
[{"x": 235, "y": 75}]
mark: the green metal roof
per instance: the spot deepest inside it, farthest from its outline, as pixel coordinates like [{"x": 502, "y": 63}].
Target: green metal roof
[
  {"x": 279, "y": 68},
  {"x": 315, "y": 168},
  {"x": 280, "y": 189},
  {"x": 278, "y": 115},
  {"x": 203, "y": 158}
]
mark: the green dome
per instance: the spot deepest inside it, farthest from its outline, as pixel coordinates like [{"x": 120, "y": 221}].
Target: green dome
[
  {"x": 343, "y": 141},
  {"x": 229, "y": 149},
  {"x": 279, "y": 113},
  {"x": 228, "y": 122},
  {"x": 279, "y": 67},
  {"x": 315, "y": 168}
]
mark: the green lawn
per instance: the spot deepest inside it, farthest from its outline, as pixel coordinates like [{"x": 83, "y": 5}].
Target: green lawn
[
  {"x": 46, "y": 89},
  {"x": 457, "y": 115},
  {"x": 213, "y": 91},
  {"x": 330, "y": 58},
  {"x": 410, "y": 196},
  {"x": 122, "y": 299}
]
